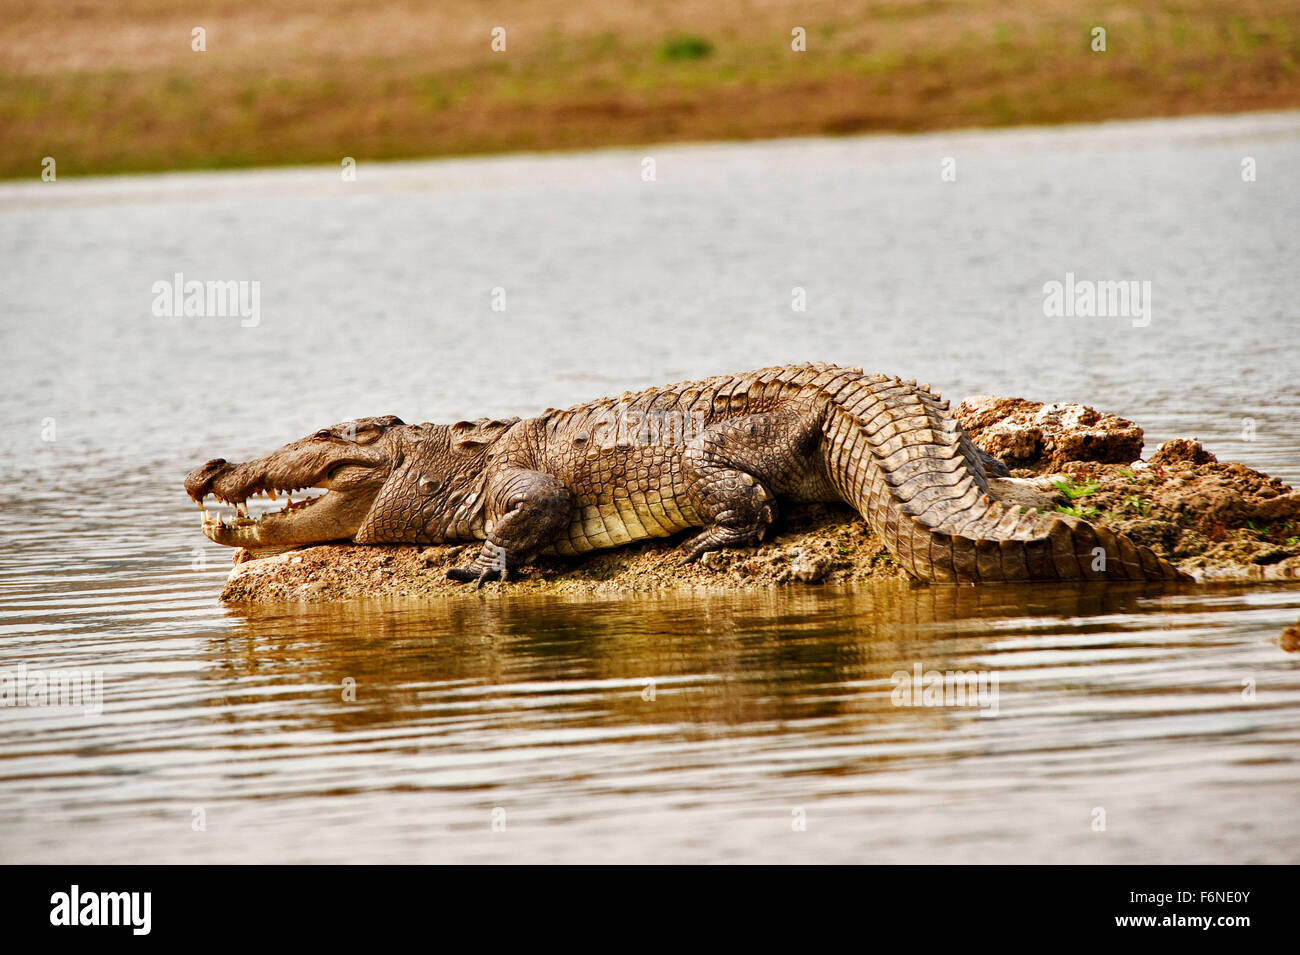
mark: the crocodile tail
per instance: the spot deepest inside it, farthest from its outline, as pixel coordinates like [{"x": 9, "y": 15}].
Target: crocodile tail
[{"x": 893, "y": 451}]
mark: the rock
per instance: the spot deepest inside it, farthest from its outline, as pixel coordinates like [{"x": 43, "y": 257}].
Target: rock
[
  {"x": 1182, "y": 451},
  {"x": 1290, "y": 639},
  {"x": 810, "y": 568},
  {"x": 1041, "y": 437},
  {"x": 1161, "y": 536}
]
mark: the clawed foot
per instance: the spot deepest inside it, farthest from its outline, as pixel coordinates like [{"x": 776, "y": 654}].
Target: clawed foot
[
  {"x": 463, "y": 575},
  {"x": 717, "y": 538},
  {"x": 490, "y": 564}
]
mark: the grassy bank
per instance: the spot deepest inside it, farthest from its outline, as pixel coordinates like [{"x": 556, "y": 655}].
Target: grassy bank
[{"x": 116, "y": 87}]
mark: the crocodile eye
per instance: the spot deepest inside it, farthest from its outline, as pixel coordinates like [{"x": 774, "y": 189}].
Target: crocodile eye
[{"x": 322, "y": 435}]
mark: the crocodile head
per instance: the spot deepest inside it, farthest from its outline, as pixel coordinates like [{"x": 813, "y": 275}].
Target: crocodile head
[{"x": 350, "y": 462}]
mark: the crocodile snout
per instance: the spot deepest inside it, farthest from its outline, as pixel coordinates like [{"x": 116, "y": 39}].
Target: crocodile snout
[{"x": 198, "y": 483}]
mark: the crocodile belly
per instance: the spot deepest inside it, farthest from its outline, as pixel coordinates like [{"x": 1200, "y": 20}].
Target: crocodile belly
[{"x": 622, "y": 520}]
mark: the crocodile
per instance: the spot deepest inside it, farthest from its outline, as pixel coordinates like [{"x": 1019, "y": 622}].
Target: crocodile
[{"x": 718, "y": 455}]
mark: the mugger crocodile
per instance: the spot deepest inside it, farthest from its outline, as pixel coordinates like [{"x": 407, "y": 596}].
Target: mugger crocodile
[{"x": 717, "y": 454}]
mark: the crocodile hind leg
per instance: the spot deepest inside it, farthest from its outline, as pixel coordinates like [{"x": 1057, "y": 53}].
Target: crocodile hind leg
[
  {"x": 736, "y": 468},
  {"x": 525, "y": 511},
  {"x": 739, "y": 509}
]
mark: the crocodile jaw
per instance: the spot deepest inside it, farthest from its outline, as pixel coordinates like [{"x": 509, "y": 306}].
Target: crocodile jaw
[
  {"x": 350, "y": 462},
  {"x": 334, "y": 515}
]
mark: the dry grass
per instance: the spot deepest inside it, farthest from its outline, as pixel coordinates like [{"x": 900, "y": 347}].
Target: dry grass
[{"x": 116, "y": 87}]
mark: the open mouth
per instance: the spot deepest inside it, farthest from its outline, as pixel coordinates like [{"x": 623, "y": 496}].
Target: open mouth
[
  {"x": 242, "y": 517},
  {"x": 271, "y": 502}
]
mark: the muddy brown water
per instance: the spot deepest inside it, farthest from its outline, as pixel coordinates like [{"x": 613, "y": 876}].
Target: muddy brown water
[{"x": 1123, "y": 724}]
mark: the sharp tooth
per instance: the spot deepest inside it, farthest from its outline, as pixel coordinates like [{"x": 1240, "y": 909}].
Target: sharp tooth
[{"x": 270, "y": 492}]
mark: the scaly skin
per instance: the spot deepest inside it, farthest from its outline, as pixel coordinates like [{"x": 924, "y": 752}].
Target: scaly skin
[{"x": 717, "y": 454}]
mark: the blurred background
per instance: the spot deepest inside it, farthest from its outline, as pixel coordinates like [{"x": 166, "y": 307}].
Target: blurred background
[{"x": 118, "y": 86}]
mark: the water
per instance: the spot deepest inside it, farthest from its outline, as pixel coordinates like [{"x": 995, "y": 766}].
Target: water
[{"x": 768, "y": 710}]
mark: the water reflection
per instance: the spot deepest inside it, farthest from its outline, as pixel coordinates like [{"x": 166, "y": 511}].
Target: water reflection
[{"x": 715, "y": 659}]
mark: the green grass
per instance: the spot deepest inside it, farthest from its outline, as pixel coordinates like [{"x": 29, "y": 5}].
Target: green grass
[
  {"x": 1075, "y": 491},
  {"x": 1085, "y": 513},
  {"x": 1137, "y": 505},
  {"x": 685, "y": 48}
]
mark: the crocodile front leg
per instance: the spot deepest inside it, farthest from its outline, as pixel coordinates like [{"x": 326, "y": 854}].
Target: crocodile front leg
[{"x": 525, "y": 510}]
